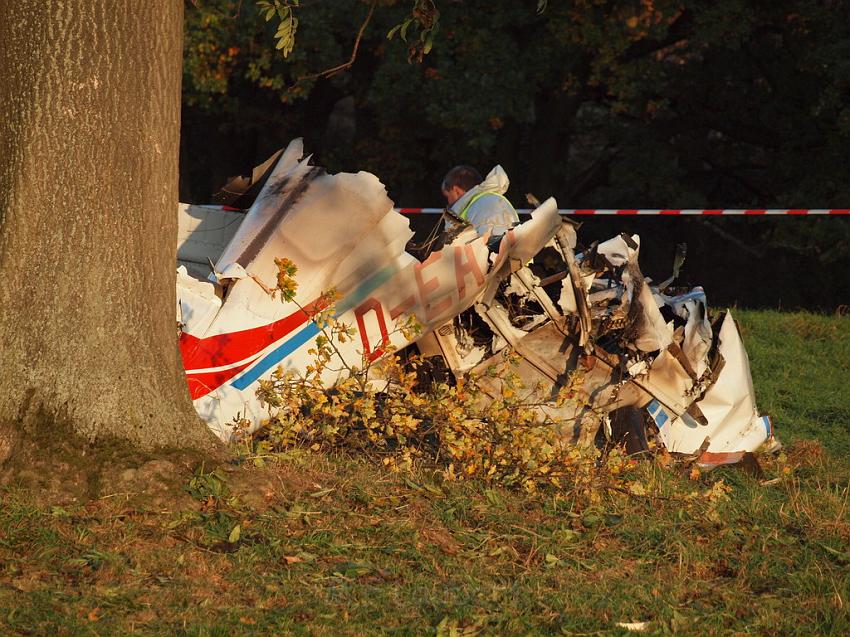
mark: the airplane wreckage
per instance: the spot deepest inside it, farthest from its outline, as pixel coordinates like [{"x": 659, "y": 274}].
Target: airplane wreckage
[{"x": 648, "y": 354}]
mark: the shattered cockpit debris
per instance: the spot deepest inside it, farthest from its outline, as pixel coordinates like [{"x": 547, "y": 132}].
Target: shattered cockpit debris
[{"x": 645, "y": 353}]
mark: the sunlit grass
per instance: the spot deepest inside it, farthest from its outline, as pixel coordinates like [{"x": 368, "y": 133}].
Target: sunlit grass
[
  {"x": 801, "y": 370},
  {"x": 334, "y": 545}
]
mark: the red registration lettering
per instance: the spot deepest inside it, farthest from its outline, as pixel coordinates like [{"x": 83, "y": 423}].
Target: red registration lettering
[
  {"x": 371, "y": 305},
  {"x": 427, "y": 288},
  {"x": 462, "y": 269}
]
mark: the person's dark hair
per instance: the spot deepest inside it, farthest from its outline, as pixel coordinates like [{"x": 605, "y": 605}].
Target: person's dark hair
[{"x": 464, "y": 176}]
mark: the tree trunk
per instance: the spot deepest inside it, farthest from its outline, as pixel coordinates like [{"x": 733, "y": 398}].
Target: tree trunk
[{"x": 90, "y": 95}]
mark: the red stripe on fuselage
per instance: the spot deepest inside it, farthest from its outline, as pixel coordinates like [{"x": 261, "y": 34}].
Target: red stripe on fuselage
[
  {"x": 232, "y": 347},
  {"x": 202, "y": 384}
]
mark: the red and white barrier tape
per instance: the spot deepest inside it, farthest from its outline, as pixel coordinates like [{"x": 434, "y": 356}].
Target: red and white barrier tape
[{"x": 672, "y": 212}]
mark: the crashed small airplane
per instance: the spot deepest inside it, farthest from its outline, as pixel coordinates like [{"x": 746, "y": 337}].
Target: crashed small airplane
[{"x": 649, "y": 358}]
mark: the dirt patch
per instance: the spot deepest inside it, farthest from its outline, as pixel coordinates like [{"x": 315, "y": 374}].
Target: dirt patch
[
  {"x": 261, "y": 488},
  {"x": 64, "y": 469},
  {"x": 441, "y": 538},
  {"x": 806, "y": 453},
  {"x": 155, "y": 484}
]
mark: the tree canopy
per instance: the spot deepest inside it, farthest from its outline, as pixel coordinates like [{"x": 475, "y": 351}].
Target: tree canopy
[
  {"x": 651, "y": 103},
  {"x": 601, "y": 103}
]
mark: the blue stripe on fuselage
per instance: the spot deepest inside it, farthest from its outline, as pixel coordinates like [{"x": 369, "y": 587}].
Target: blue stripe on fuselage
[{"x": 360, "y": 293}]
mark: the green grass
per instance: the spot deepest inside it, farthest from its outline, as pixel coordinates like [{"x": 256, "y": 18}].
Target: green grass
[
  {"x": 801, "y": 370},
  {"x": 332, "y": 545}
]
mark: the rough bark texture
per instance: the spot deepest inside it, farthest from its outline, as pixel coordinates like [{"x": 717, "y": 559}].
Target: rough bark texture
[{"x": 90, "y": 96}]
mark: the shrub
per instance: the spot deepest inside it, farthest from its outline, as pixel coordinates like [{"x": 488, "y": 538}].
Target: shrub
[{"x": 384, "y": 410}]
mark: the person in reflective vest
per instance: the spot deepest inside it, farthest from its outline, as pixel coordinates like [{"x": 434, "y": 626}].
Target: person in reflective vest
[{"x": 480, "y": 202}]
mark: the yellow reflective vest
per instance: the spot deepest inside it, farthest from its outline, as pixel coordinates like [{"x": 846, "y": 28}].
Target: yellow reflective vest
[{"x": 463, "y": 213}]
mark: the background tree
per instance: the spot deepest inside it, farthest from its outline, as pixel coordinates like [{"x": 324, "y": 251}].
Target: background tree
[
  {"x": 615, "y": 104},
  {"x": 90, "y": 96}
]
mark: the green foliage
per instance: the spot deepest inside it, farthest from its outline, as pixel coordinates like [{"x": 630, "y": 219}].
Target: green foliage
[
  {"x": 287, "y": 22},
  {"x": 825, "y": 241},
  {"x": 425, "y": 18},
  {"x": 207, "y": 486},
  {"x": 398, "y": 425},
  {"x": 382, "y": 409},
  {"x": 232, "y": 49},
  {"x": 237, "y": 51},
  {"x": 286, "y": 284}
]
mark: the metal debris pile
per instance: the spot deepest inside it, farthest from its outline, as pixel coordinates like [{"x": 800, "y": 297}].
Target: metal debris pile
[{"x": 649, "y": 359}]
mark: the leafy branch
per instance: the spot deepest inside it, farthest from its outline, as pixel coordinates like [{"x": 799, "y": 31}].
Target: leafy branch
[
  {"x": 424, "y": 17},
  {"x": 457, "y": 426},
  {"x": 288, "y": 25}
]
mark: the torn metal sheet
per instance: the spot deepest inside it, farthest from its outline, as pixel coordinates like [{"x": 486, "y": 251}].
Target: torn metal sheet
[
  {"x": 636, "y": 346},
  {"x": 733, "y": 425},
  {"x": 203, "y": 232}
]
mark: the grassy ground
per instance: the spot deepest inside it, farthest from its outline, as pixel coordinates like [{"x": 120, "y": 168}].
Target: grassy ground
[{"x": 333, "y": 545}]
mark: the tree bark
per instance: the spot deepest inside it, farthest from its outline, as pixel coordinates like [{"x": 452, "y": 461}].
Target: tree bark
[{"x": 90, "y": 96}]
